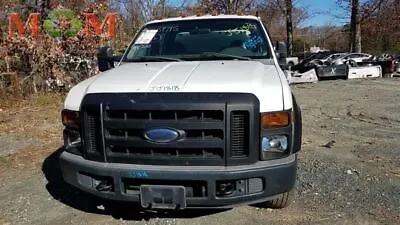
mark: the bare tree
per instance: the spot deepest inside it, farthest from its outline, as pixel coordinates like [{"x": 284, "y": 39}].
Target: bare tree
[
  {"x": 358, "y": 14},
  {"x": 289, "y": 26},
  {"x": 228, "y": 6},
  {"x": 355, "y": 40},
  {"x": 283, "y": 13}
]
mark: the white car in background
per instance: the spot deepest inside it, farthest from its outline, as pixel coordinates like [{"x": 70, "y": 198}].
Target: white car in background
[
  {"x": 354, "y": 57},
  {"x": 332, "y": 57},
  {"x": 328, "y": 58}
]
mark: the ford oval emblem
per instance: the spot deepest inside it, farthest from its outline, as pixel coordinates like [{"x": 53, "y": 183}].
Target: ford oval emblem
[{"x": 162, "y": 135}]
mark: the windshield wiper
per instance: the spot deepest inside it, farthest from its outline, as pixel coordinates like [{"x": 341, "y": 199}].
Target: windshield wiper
[
  {"x": 154, "y": 58},
  {"x": 221, "y": 55}
]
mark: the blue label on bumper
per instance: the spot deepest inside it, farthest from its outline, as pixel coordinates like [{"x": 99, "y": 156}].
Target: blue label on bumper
[{"x": 138, "y": 174}]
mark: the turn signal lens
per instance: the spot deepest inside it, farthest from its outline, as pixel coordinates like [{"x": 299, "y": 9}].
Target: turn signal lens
[
  {"x": 70, "y": 118},
  {"x": 275, "y": 120}
]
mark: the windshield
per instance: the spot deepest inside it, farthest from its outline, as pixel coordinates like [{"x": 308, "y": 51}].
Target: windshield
[{"x": 207, "y": 39}]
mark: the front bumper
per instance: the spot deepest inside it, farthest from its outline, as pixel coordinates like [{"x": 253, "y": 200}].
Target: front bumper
[{"x": 275, "y": 176}]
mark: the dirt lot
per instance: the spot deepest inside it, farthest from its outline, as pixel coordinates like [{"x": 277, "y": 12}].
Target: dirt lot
[{"x": 349, "y": 170}]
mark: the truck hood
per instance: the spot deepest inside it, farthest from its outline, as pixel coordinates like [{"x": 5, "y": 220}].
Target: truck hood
[{"x": 253, "y": 77}]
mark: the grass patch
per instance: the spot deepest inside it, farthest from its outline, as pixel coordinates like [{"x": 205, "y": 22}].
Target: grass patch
[
  {"x": 4, "y": 161},
  {"x": 46, "y": 99},
  {"x": 4, "y": 221},
  {"x": 37, "y": 100}
]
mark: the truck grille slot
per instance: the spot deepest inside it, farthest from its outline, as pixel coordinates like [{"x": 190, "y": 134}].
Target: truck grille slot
[
  {"x": 205, "y": 134},
  {"x": 208, "y": 115},
  {"x": 92, "y": 132},
  {"x": 166, "y": 152},
  {"x": 240, "y": 134},
  {"x": 189, "y": 134}
]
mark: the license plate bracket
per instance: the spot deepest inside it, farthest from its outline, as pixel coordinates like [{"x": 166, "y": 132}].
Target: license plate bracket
[{"x": 163, "y": 197}]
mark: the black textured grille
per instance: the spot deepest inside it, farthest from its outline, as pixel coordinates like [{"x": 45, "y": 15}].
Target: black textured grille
[
  {"x": 215, "y": 129},
  {"x": 93, "y": 136},
  {"x": 240, "y": 134},
  {"x": 202, "y": 135},
  {"x": 91, "y": 133}
]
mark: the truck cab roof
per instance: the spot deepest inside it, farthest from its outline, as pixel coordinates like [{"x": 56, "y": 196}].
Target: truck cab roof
[{"x": 204, "y": 17}]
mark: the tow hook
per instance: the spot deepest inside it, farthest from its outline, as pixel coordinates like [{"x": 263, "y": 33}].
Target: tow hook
[{"x": 104, "y": 186}]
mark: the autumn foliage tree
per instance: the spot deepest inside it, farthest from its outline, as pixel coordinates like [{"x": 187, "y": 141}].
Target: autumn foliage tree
[
  {"x": 381, "y": 27},
  {"x": 46, "y": 63}
]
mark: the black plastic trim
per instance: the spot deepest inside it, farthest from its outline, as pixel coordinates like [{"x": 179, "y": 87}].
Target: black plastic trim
[
  {"x": 253, "y": 107},
  {"x": 103, "y": 103},
  {"x": 298, "y": 127},
  {"x": 67, "y": 134}
]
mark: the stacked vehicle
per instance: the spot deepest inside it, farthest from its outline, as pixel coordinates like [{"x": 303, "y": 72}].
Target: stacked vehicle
[{"x": 328, "y": 65}]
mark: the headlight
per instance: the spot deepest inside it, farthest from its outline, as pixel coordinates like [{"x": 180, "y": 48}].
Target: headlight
[
  {"x": 276, "y": 143},
  {"x": 273, "y": 146}
]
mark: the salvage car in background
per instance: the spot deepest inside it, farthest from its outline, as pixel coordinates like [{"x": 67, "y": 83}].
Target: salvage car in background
[
  {"x": 338, "y": 65},
  {"x": 350, "y": 66},
  {"x": 291, "y": 61},
  {"x": 328, "y": 58},
  {"x": 308, "y": 63},
  {"x": 352, "y": 57},
  {"x": 333, "y": 71},
  {"x": 364, "y": 72},
  {"x": 386, "y": 61}
]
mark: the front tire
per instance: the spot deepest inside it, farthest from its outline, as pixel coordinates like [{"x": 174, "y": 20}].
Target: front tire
[{"x": 282, "y": 201}]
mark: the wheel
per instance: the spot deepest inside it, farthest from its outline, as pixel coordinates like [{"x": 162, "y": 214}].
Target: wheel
[
  {"x": 352, "y": 63},
  {"x": 282, "y": 201}
]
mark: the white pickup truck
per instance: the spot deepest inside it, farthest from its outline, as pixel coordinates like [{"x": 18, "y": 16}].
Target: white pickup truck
[{"x": 196, "y": 114}]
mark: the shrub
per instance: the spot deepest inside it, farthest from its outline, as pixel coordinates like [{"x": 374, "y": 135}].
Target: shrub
[{"x": 46, "y": 64}]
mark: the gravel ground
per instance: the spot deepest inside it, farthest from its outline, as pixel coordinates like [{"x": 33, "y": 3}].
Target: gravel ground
[
  {"x": 11, "y": 144},
  {"x": 349, "y": 170}
]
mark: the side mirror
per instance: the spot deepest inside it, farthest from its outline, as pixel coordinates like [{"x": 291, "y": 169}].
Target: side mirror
[
  {"x": 281, "y": 53},
  {"x": 106, "y": 59},
  {"x": 281, "y": 49}
]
